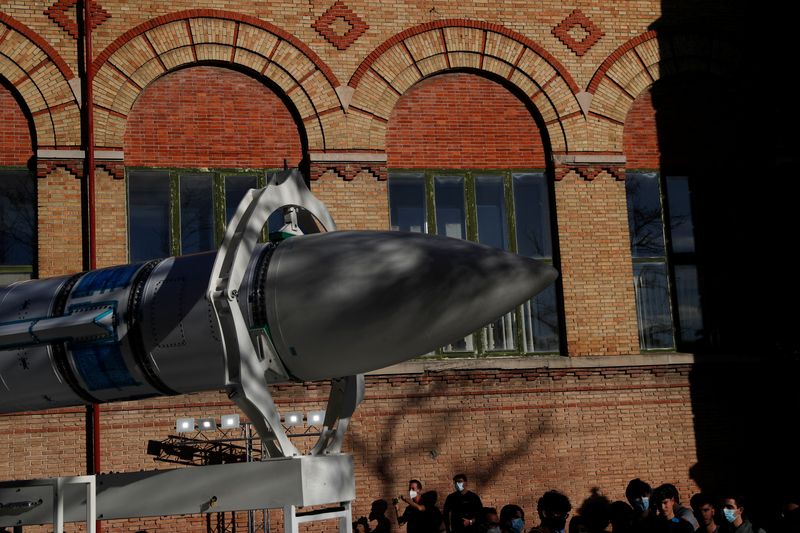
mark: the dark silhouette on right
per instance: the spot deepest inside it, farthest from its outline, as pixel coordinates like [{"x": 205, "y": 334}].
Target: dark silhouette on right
[{"x": 723, "y": 123}]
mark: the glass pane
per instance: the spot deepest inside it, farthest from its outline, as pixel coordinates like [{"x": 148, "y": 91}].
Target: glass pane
[
  {"x": 491, "y": 204},
  {"x": 17, "y": 217},
  {"x": 644, "y": 215},
  {"x": 540, "y": 323},
  {"x": 235, "y": 189},
  {"x": 532, "y": 215},
  {"x": 197, "y": 213},
  {"x": 148, "y": 213},
  {"x": 652, "y": 305},
  {"x": 690, "y": 316},
  {"x": 499, "y": 335},
  {"x": 275, "y": 222},
  {"x": 7, "y": 278},
  {"x": 464, "y": 345},
  {"x": 450, "y": 216},
  {"x": 680, "y": 214},
  {"x": 407, "y": 202}
]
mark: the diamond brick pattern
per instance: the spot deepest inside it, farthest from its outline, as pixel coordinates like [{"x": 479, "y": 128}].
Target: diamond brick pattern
[
  {"x": 577, "y": 18},
  {"x": 58, "y": 14},
  {"x": 325, "y": 26}
]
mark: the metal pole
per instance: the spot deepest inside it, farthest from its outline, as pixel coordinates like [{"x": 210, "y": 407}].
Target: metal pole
[
  {"x": 248, "y": 436},
  {"x": 58, "y": 506},
  {"x": 91, "y": 505}
]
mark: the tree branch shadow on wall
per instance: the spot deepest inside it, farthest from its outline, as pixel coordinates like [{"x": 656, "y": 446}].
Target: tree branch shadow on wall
[{"x": 402, "y": 455}]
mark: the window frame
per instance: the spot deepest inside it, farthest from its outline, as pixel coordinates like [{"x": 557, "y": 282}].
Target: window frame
[
  {"x": 218, "y": 176},
  {"x": 429, "y": 175},
  {"x": 672, "y": 259},
  {"x": 31, "y": 270}
]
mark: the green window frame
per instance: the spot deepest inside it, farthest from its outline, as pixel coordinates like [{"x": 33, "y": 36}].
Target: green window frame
[
  {"x": 18, "y": 224},
  {"x": 511, "y": 335},
  {"x": 174, "y": 209},
  {"x": 667, "y": 281}
]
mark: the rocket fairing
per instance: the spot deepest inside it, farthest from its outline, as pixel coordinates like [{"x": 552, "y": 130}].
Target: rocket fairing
[{"x": 333, "y": 304}]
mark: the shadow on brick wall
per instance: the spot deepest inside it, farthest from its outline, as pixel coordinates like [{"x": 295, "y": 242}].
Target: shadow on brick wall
[{"x": 733, "y": 131}]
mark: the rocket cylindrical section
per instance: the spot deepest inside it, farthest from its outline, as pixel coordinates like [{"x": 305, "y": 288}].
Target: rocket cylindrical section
[{"x": 334, "y": 304}]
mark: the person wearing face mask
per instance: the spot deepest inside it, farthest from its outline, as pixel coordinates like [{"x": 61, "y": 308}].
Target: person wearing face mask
[
  {"x": 414, "y": 516},
  {"x": 462, "y": 507},
  {"x": 553, "y": 509},
  {"x": 512, "y": 519},
  {"x": 638, "y": 494},
  {"x": 733, "y": 511}
]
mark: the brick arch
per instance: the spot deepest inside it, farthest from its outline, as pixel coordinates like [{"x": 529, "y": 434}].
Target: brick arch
[
  {"x": 458, "y": 44},
  {"x": 652, "y": 56},
  {"x": 203, "y": 36},
  {"x": 42, "y": 79}
]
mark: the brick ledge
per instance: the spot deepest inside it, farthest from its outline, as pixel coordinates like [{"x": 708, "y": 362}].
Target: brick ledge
[{"x": 556, "y": 361}]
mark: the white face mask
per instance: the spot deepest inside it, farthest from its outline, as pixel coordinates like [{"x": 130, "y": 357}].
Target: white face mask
[
  {"x": 459, "y": 486},
  {"x": 412, "y": 494}
]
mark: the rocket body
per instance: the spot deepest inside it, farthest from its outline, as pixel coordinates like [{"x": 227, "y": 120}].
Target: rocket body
[{"x": 333, "y": 304}]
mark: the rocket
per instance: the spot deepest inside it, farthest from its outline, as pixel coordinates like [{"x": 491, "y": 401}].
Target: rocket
[{"x": 328, "y": 305}]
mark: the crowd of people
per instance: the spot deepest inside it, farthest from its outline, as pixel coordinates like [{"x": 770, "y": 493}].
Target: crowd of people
[{"x": 646, "y": 510}]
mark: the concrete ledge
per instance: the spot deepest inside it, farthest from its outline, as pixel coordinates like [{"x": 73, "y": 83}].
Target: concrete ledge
[
  {"x": 60, "y": 154},
  {"x": 418, "y": 366},
  {"x": 347, "y": 157},
  {"x": 589, "y": 159}
]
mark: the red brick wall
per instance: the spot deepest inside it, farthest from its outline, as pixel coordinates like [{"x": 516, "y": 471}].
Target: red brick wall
[
  {"x": 358, "y": 204},
  {"x": 596, "y": 271},
  {"x": 640, "y": 139},
  {"x": 111, "y": 215},
  {"x": 211, "y": 117},
  {"x": 15, "y": 138},
  {"x": 59, "y": 212},
  {"x": 515, "y": 433},
  {"x": 462, "y": 121}
]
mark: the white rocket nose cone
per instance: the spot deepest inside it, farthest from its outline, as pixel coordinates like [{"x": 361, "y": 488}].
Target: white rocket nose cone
[{"x": 342, "y": 303}]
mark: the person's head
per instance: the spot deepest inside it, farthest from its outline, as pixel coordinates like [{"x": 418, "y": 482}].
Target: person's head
[
  {"x": 733, "y": 508},
  {"x": 638, "y": 494},
  {"x": 414, "y": 488},
  {"x": 553, "y": 508},
  {"x": 460, "y": 482},
  {"x": 428, "y": 499},
  {"x": 664, "y": 501},
  {"x": 378, "y": 509},
  {"x": 622, "y": 517},
  {"x": 703, "y": 507},
  {"x": 489, "y": 517},
  {"x": 595, "y": 512},
  {"x": 512, "y": 518},
  {"x": 361, "y": 525}
]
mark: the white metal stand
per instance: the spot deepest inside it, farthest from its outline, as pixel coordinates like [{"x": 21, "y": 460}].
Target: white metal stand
[
  {"x": 57, "y": 486},
  {"x": 292, "y": 520}
]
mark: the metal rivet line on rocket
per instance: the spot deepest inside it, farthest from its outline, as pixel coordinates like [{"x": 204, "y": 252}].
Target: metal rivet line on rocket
[{"x": 321, "y": 306}]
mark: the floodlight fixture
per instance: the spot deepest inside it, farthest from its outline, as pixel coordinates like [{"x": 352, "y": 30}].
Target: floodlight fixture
[
  {"x": 293, "y": 419},
  {"x": 207, "y": 424},
  {"x": 230, "y": 421},
  {"x": 184, "y": 425},
  {"x": 316, "y": 418}
]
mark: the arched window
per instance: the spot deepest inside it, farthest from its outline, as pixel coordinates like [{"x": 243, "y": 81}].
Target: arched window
[
  {"x": 678, "y": 148},
  {"x": 197, "y": 139},
  {"x": 17, "y": 192},
  {"x": 466, "y": 160}
]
